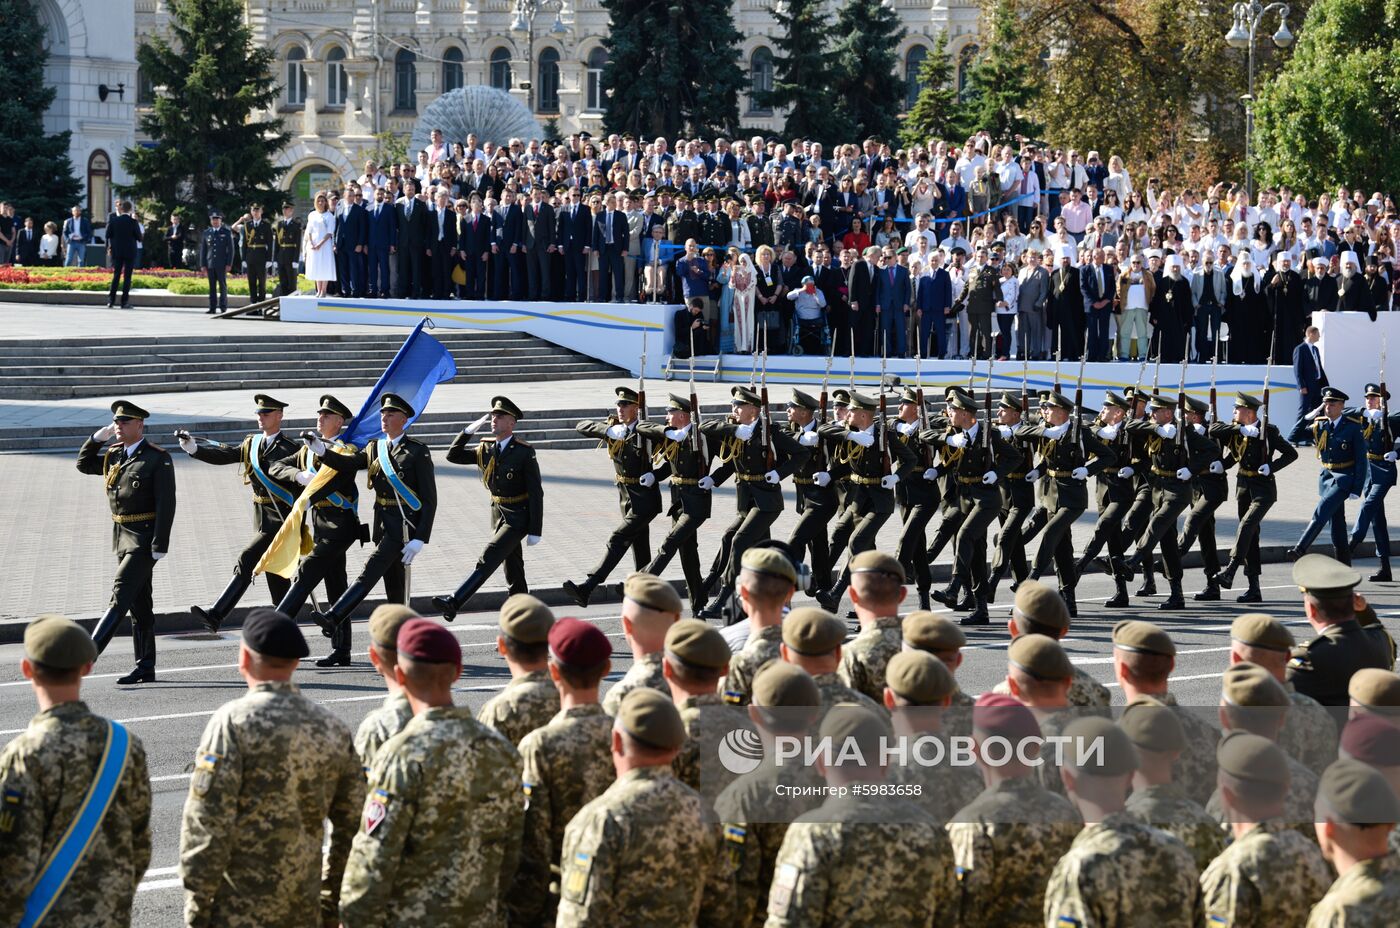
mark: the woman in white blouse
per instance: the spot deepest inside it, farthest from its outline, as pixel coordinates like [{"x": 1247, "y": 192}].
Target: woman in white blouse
[
  {"x": 319, "y": 246},
  {"x": 1118, "y": 180}
]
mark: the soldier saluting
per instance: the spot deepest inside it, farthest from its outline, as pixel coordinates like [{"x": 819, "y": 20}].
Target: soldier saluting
[
  {"x": 140, "y": 481},
  {"x": 272, "y": 500},
  {"x": 1341, "y": 451},
  {"x": 258, "y": 241}
]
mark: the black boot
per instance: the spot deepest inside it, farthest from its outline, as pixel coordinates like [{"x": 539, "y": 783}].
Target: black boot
[
  {"x": 924, "y": 602},
  {"x": 1067, "y": 594},
  {"x": 830, "y": 599},
  {"x": 978, "y": 615},
  {"x": 1120, "y": 597},
  {"x": 1149, "y": 582},
  {"x": 1252, "y": 594},
  {"x": 1095, "y": 546},
  {"x": 994, "y": 581},
  {"x": 1175, "y": 600},
  {"x": 715, "y": 610},
  {"x": 328, "y": 619},
  {"x": 1226, "y": 578},
  {"x": 1294, "y": 553},
  {"x": 1211, "y": 594},
  {"x": 139, "y": 675},
  {"x": 449, "y": 606},
  {"x": 106, "y": 627},
  {"x": 579, "y": 592},
  {"x": 337, "y": 658},
  {"x": 214, "y": 616},
  {"x": 1033, "y": 575},
  {"x": 1382, "y": 575},
  {"x": 948, "y": 596}
]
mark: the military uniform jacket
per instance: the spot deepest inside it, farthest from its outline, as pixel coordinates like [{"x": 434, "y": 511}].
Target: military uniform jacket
[
  {"x": 747, "y": 462},
  {"x": 288, "y": 237},
  {"x": 216, "y": 248},
  {"x": 645, "y": 671},
  {"x": 821, "y": 459},
  {"x": 1248, "y": 453},
  {"x": 511, "y": 475},
  {"x": 1140, "y": 460},
  {"x": 1366, "y": 896},
  {"x": 916, "y": 491},
  {"x": 1059, "y": 457},
  {"x": 413, "y": 462},
  {"x": 1322, "y": 667},
  {"x": 1111, "y": 487},
  {"x": 1341, "y": 450},
  {"x": 1166, "y": 806},
  {"x": 379, "y": 726},
  {"x": 335, "y": 513},
  {"x": 1270, "y": 876},
  {"x": 631, "y": 458},
  {"x": 45, "y": 774},
  {"x": 258, "y": 239},
  {"x": 1165, "y": 456},
  {"x": 965, "y": 466},
  {"x": 271, "y": 768},
  {"x": 684, "y": 462},
  {"x": 763, "y": 647},
  {"x": 140, "y": 492},
  {"x": 268, "y": 510},
  {"x": 1378, "y": 436},
  {"x": 526, "y": 703},
  {"x": 865, "y": 657},
  {"x": 863, "y": 467},
  {"x": 1015, "y": 491},
  {"x": 1214, "y": 488}
]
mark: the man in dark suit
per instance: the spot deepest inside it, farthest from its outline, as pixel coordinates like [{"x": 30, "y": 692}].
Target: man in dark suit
[
  {"x": 176, "y": 237},
  {"x": 357, "y": 237},
  {"x": 892, "y": 299},
  {"x": 383, "y": 237},
  {"x": 122, "y": 234},
  {"x": 1311, "y": 379},
  {"x": 508, "y": 248},
  {"x": 539, "y": 244},
  {"x": 1066, "y": 307},
  {"x": 412, "y": 215},
  {"x": 442, "y": 245},
  {"x": 575, "y": 238},
  {"x": 1097, "y": 282},
  {"x": 862, "y": 289},
  {"x": 27, "y": 243},
  {"x": 610, "y": 235},
  {"x": 474, "y": 247}
]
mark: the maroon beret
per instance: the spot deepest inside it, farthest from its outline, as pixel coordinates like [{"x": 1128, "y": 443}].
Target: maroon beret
[
  {"x": 1372, "y": 740},
  {"x": 427, "y": 641},
  {"x": 996, "y": 714},
  {"x": 578, "y": 643}
]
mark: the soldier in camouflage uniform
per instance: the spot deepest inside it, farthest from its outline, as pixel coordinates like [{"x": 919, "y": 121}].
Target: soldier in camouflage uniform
[
  {"x": 440, "y": 838},
  {"x": 766, "y": 582},
  {"x": 918, "y": 693},
  {"x": 45, "y": 776},
  {"x": 567, "y": 764},
  {"x": 642, "y": 852},
  {"x": 877, "y": 589},
  {"x": 271, "y": 769},
  {"x": 812, "y": 640},
  {"x": 1038, "y": 674},
  {"x": 695, "y": 660},
  {"x": 826, "y": 873},
  {"x": 1007, "y": 840},
  {"x": 650, "y": 606},
  {"x": 1309, "y": 733},
  {"x": 1366, "y": 893},
  {"x": 386, "y": 721},
  {"x": 941, "y": 637},
  {"x": 530, "y": 700},
  {"x": 1118, "y": 871},
  {"x": 1270, "y": 874},
  {"x": 1375, "y": 741},
  {"x": 1159, "y": 738},
  {"x": 1039, "y": 610}
]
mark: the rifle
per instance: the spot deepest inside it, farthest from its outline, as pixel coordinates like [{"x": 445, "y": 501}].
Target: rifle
[
  {"x": 764, "y": 421},
  {"x": 1058, "y": 353},
  {"x": 1264, "y": 409},
  {"x": 987, "y": 407},
  {"x": 919, "y": 395},
  {"x": 880, "y": 431},
  {"x": 826, "y": 380},
  {"x": 695, "y": 439},
  {"x": 1181, "y": 401},
  {"x": 1156, "y": 370},
  {"x": 852, "y": 383},
  {"x": 642, "y": 381},
  {"x": 753, "y": 372},
  {"x": 1385, "y": 404},
  {"x": 1025, "y": 384},
  {"x": 1078, "y": 420},
  {"x": 1213, "y": 361},
  {"x": 971, "y": 371}
]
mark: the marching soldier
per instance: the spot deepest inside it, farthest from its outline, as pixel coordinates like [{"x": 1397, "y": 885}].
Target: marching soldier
[
  {"x": 216, "y": 260},
  {"x": 686, "y": 453},
  {"x": 65, "y": 760},
  {"x": 1341, "y": 450},
  {"x": 335, "y": 525},
  {"x": 1259, "y": 451},
  {"x": 918, "y": 496},
  {"x": 288, "y": 237},
  {"x": 272, "y": 501},
  {"x": 1115, "y": 493},
  {"x": 140, "y": 481},
  {"x": 1359, "y": 810},
  {"x": 816, "y": 494},
  {"x": 1140, "y": 512},
  {"x": 530, "y": 699},
  {"x": 510, "y": 471},
  {"x": 405, "y": 504},
  {"x": 638, "y": 496},
  {"x": 1322, "y": 668},
  {"x": 840, "y": 482},
  {"x": 258, "y": 241},
  {"x": 1379, "y": 437},
  {"x": 1017, "y": 498},
  {"x": 393, "y": 714},
  {"x": 1209, "y": 489}
]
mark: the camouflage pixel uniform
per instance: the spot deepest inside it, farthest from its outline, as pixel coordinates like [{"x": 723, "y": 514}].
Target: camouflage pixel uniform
[
  {"x": 45, "y": 774},
  {"x": 645, "y": 671},
  {"x": 1271, "y": 876},
  {"x": 271, "y": 768},
  {"x": 1084, "y": 692},
  {"x": 1120, "y": 872},
  {"x": 1052, "y": 724},
  {"x": 864, "y": 657},
  {"x": 441, "y": 833},
  {"x": 525, "y": 704},
  {"x": 1195, "y": 769},
  {"x": 736, "y": 686},
  {"x": 1166, "y": 806},
  {"x": 834, "y": 690},
  {"x": 379, "y": 726},
  {"x": 943, "y": 788},
  {"x": 863, "y": 862},
  {"x": 1367, "y": 896},
  {"x": 707, "y": 720},
  {"x": 1298, "y": 810},
  {"x": 1309, "y": 733}
]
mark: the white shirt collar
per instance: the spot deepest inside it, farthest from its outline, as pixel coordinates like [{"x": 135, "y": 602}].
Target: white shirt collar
[
  {"x": 132, "y": 448},
  {"x": 270, "y": 439},
  {"x": 502, "y": 442}
]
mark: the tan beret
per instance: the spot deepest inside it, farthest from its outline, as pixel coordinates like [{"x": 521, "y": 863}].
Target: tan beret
[
  {"x": 1105, "y": 747},
  {"x": 1250, "y": 685},
  {"x": 1152, "y": 725},
  {"x": 1041, "y": 657},
  {"x": 1262, "y": 631},
  {"x": 59, "y": 643},
  {"x": 385, "y": 622},
  {"x": 847, "y": 724},
  {"x": 1376, "y": 689},
  {"x": 770, "y": 561},
  {"x": 929, "y": 631},
  {"x": 1357, "y": 794},
  {"x": 1252, "y": 758},
  {"x": 919, "y": 677},
  {"x": 813, "y": 632},
  {"x": 1040, "y": 603},
  {"x": 877, "y": 562},
  {"x": 782, "y": 684},
  {"x": 526, "y": 619},
  {"x": 698, "y": 644},
  {"x": 649, "y": 716},
  {"x": 651, "y": 591},
  {"x": 1144, "y": 637}
]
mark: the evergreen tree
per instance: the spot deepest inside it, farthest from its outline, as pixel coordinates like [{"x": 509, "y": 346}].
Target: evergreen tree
[
  {"x": 1002, "y": 83},
  {"x": 935, "y": 113},
  {"x": 671, "y": 70},
  {"x": 801, "y": 72},
  {"x": 38, "y": 175},
  {"x": 211, "y": 148},
  {"x": 868, "y": 93}
]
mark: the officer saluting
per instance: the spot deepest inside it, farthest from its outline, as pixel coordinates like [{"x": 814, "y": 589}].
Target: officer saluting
[
  {"x": 140, "y": 481},
  {"x": 257, "y": 249},
  {"x": 288, "y": 240},
  {"x": 216, "y": 260},
  {"x": 1323, "y": 667},
  {"x": 1341, "y": 450}
]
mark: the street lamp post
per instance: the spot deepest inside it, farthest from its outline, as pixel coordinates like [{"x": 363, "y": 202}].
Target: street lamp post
[
  {"x": 1248, "y": 14},
  {"x": 525, "y": 13}
]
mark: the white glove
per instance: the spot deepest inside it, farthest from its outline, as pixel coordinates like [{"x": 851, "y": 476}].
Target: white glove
[
  {"x": 317, "y": 446},
  {"x": 907, "y": 428},
  {"x": 864, "y": 439},
  {"x": 1389, "y": 456},
  {"x": 647, "y": 480},
  {"x": 1056, "y": 431},
  {"x": 1265, "y": 470},
  {"x": 745, "y": 432},
  {"x": 1080, "y": 473},
  {"x": 1006, "y": 431},
  {"x": 889, "y": 480},
  {"x": 1217, "y": 467},
  {"x": 707, "y": 482},
  {"x": 1354, "y": 496},
  {"x": 410, "y": 551},
  {"x": 1249, "y": 431},
  {"x": 1033, "y": 475},
  {"x": 1200, "y": 429},
  {"x": 809, "y": 439},
  {"x": 772, "y": 477},
  {"x": 1183, "y": 473},
  {"x": 990, "y": 477},
  {"x": 1108, "y": 432},
  {"x": 956, "y": 440},
  {"x": 477, "y": 425},
  {"x": 617, "y": 431},
  {"x": 532, "y": 540},
  {"x": 1126, "y": 472},
  {"x": 931, "y": 473},
  {"x": 106, "y": 433},
  {"x": 1166, "y": 431},
  {"x": 304, "y": 477},
  {"x": 188, "y": 445},
  {"x": 157, "y": 555},
  {"x": 678, "y": 434},
  {"x": 1373, "y": 414},
  {"x": 821, "y": 478}
]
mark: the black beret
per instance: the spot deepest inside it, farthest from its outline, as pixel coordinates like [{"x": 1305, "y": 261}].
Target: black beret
[{"x": 274, "y": 634}]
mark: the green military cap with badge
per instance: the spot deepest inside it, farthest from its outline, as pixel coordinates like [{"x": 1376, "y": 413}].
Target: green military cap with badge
[
  {"x": 745, "y": 395},
  {"x": 385, "y": 622},
  {"x": 1197, "y": 405},
  {"x": 877, "y": 562},
  {"x": 1060, "y": 401},
  {"x": 1159, "y": 401},
  {"x": 929, "y": 631},
  {"x": 697, "y": 644},
  {"x": 649, "y": 716},
  {"x": 652, "y": 592},
  {"x": 334, "y": 406},
  {"x": 962, "y": 401},
  {"x": 1009, "y": 400},
  {"x": 812, "y": 632},
  {"x": 919, "y": 678},
  {"x": 59, "y": 643},
  {"x": 526, "y": 619},
  {"x": 1248, "y": 401},
  {"x": 804, "y": 401},
  {"x": 392, "y": 402},
  {"x": 769, "y": 561},
  {"x": 266, "y": 403},
  {"x": 625, "y": 395},
  {"x": 503, "y": 404},
  {"x": 1320, "y": 575},
  {"x": 1142, "y": 638},
  {"x": 841, "y": 396},
  {"x": 1113, "y": 399},
  {"x": 126, "y": 409},
  {"x": 1262, "y": 631},
  {"x": 1152, "y": 726},
  {"x": 1041, "y": 657},
  {"x": 678, "y": 403},
  {"x": 863, "y": 401}
]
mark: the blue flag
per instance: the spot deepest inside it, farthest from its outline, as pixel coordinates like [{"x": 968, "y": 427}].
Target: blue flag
[{"x": 421, "y": 364}]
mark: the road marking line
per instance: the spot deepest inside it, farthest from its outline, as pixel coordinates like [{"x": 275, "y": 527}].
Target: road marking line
[{"x": 159, "y": 884}]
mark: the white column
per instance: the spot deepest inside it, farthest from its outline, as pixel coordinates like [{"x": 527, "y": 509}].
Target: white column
[{"x": 309, "y": 126}]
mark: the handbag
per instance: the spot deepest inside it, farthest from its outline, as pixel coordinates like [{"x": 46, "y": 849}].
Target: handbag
[{"x": 459, "y": 275}]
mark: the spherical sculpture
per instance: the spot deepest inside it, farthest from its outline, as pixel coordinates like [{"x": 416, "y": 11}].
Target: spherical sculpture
[{"x": 494, "y": 115}]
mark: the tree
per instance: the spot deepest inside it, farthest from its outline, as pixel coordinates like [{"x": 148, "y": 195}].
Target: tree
[
  {"x": 211, "y": 145},
  {"x": 1333, "y": 112},
  {"x": 801, "y": 71},
  {"x": 38, "y": 176},
  {"x": 868, "y": 94},
  {"x": 671, "y": 68},
  {"x": 1002, "y": 84},
  {"x": 935, "y": 113}
]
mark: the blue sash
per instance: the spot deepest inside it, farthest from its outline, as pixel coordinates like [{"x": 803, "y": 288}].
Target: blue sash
[
  {"x": 264, "y": 479},
  {"x": 387, "y": 466},
  {"x": 335, "y": 499},
  {"x": 73, "y": 846}
]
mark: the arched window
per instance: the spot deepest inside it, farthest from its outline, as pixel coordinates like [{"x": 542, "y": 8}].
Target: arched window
[
  {"x": 760, "y": 80},
  {"x": 452, "y": 69},
  {"x": 549, "y": 81},
  {"x": 966, "y": 58},
  {"x": 405, "y": 80},
  {"x": 913, "y": 63},
  {"x": 295, "y": 87},
  {"x": 597, "y": 61},
  {"x": 99, "y": 174},
  {"x": 500, "y": 69},
  {"x": 337, "y": 83}
]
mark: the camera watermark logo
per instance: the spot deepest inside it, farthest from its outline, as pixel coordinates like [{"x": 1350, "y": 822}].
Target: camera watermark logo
[{"x": 741, "y": 751}]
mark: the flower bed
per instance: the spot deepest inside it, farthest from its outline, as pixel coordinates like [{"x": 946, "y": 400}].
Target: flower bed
[{"x": 99, "y": 279}]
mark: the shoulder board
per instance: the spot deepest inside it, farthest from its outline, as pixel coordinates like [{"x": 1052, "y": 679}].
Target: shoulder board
[
  {"x": 1357, "y": 419},
  {"x": 411, "y": 440},
  {"x": 155, "y": 447},
  {"x": 521, "y": 442}
]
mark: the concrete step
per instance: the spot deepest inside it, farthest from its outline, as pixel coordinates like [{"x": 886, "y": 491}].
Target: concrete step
[
  {"x": 262, "y": 356},
  {"x": 280, "y": 336},
  {"x": 235, "y": 368}
]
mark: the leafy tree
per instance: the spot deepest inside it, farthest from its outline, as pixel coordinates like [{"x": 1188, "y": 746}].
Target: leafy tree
[
  {"x": 1333, "y": 112},
  {"x": 212, "y": 146},
  {"x": 935, "y": 112},
  {"x": 801, "y": 71},
  {"x": 1004, "y": 83},
  {"x": 38, "y": 176},
  {"x": 869, "y": 95},
  {"x": 390, "y": 148}
]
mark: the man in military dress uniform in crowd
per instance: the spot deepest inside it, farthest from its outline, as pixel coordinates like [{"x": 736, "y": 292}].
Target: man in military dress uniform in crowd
[
  {"x": 46, "y": 775},
  {"x": 686, "y": 453},
  {"x": 393, "y": 714},
  {"x": 258, "y": 242},
  {"x": 216, "y": 260},
  {"x": 288, "y": 240},
  {"x": 510, "y": 472},
  {"x": 1322, "y": 668},
  {"x": 530, "y": 699},
  {"x": 1341, "y": 451},
  {"x": 816, "y": 494},
  {"x": 405, "y": 504},
  {"x": 638, "y": 496},
  {"x": 1378, "y": 434},
  {"x": 140, "y": 481},
  {"x": 272, "y": 500}
]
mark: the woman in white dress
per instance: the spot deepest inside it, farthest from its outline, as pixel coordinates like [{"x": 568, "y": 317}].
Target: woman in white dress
[
  {"x": 743, "y": 280},
  {"x": 318, "y": 245}
]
